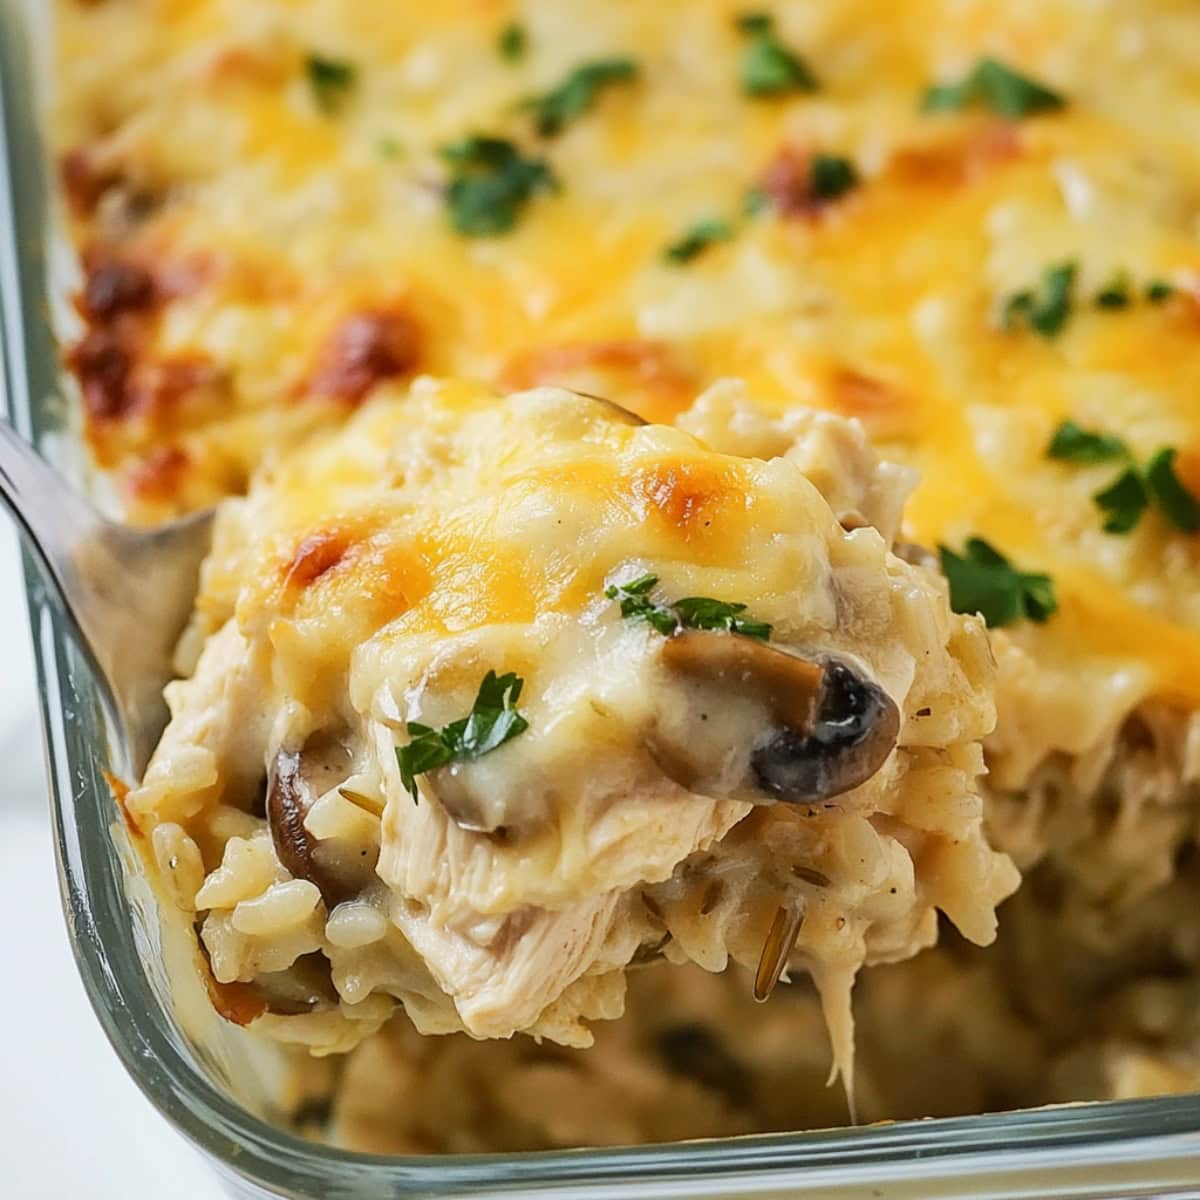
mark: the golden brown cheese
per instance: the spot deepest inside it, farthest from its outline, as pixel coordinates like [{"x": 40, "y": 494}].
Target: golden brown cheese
[{"x": 276, "y": 233}]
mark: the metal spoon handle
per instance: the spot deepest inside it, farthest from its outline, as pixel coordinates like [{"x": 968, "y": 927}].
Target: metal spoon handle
[
  {"x": 53, "y": 518},
  {"x": 127, "y": 592}
]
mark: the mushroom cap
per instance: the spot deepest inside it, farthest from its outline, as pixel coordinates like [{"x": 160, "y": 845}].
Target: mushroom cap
[
  {"x": 855, "y": 730},
  {"x": 826, "y": 728},
  {"x": 293, "y": 786}
]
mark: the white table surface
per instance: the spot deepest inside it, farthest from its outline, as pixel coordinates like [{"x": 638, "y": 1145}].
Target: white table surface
[{"x": 72, "y": 1123}]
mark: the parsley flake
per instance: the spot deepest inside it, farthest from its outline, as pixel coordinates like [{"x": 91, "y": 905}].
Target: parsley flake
[
  {"x": 998, "y": 87},
  {"x": 635, "y": 602},
  {"x": 512, "y": 42},
  {"x": 698, "y": 239},
  {"x": 1176, "y": 503},
  {"x": 554, "y": 110},
  {"x": 983, "y": 581},
  {"x": 331, "y": 80},
  {"x": 1123, "y": 501},
  {"x": 692, "y": 612},
  {"x": 1158, "y": 290},
  {"x": 1133, "y": 491},
  {"x": 1115, "y": 293},
  {"x": 493, "y": 720},
  {"x": 491, "y": 184},
  {"x": 1073, "y": 444},
  {"x": 1046, "y": 311},
  {"x": 769, "y": 68},
  {"x": 832, "y": 176}
]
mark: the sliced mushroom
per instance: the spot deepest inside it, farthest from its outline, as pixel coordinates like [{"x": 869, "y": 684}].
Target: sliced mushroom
[
  {"x": 790, "y": 686},
  {"x": 855, "y": 730},
  {"x": 796, "y": 729},
  {"x": 295, "y": 781}
]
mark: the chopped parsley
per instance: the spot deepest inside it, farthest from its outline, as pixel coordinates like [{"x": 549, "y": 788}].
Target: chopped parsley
[
  {"x": 698, "y": 239},
  {"x": 983, "y": 581},
  {"x": 554, "y": 110},
  {"x": 1123, "y": 501},
  {"x": 998, "y": 87},
  {"x": 493, "y": 720},
  {"x": 1115, "y": 293},
  {"x": 491, "y": 184},
  {"x": 832, "y": 176},
  {"x": 692, "y": 612},
  {"x": 1175, "y": 502},
  {"x": 1044, "y": 311},
  {"x": 390, "y": 148},
  {"x": 1133, "y": 491},
  {"x": 769, "y": 68},
  {"x": 331, "y": 80},
  {"x": 512, "y": 42},
  {"x": 1158, "y": 290},
  {"x": 1120, "y": 291},
  {"x": 1071, "y": 443}
]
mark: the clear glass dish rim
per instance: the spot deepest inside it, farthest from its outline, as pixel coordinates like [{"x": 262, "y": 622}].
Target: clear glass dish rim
[{"x": 99, "y": 919}]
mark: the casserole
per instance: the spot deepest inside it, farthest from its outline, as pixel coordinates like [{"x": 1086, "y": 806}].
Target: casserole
[
  {"x": 341, "y": 619},
  {"x": 1113, "y": 1149}
]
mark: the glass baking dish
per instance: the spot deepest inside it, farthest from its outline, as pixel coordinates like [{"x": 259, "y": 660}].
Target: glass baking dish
[{"x": 215, "y": 1084}]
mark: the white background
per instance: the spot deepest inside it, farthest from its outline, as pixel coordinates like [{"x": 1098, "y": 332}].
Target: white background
[{"x": 72, "y": 1123}]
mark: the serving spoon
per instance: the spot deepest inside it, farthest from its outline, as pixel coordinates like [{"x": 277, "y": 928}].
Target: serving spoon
[{"x": 126, "y": 592}]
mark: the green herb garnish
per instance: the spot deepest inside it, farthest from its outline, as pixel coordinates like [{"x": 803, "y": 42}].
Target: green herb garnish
[
  {"x": 1115, "y": 293},
  {"x": 983, "y": 581},
  {"x": 1120, "y": 292},
  {"x": 1158, "y": 290},
  {"x": 554, "y": 110},
  {"x": 390, "y": 148},
  {"x": 331, "y": 80},
  {"x": 697, "y": 239},
  {"x": 701, "y": 612},
  {"x": 1133, "y": 491},
  {"x": 769, "y": 68},
  {"x": 1071, "y": 443},
  {"x": 1045, "y": 311},
  {"x": 1176, "y": 503},
  {"x": 493, "y": 720},
  {"x": 512, "y": 42},
  {"x": 1123, "y": 501},
  {"x": 491, "y": 184},
  {"x": 692, "y": 612},
  {"x": 992, "y": 83},
  {"x": 635, "y": 602},
  {"x": 832, "y": 176}
]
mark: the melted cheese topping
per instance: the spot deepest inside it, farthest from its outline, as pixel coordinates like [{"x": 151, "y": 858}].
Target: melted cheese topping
[
  {"x": 273, "y": 222},
  {"x": 372, "y": 579}
]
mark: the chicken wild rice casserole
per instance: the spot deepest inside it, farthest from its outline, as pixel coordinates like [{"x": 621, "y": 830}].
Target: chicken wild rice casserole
[{"x": 502, "y": 701}]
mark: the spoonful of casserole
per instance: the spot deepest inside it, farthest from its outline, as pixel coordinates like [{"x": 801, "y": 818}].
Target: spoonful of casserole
[{"x": 489, "y": 699}]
